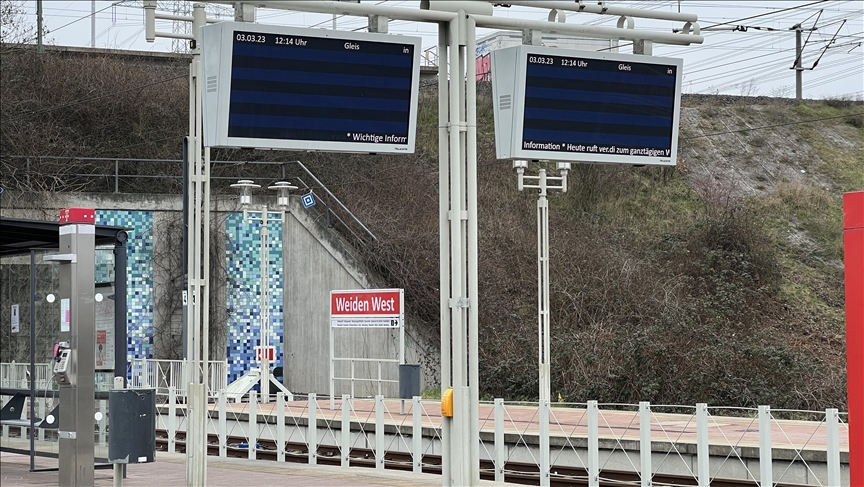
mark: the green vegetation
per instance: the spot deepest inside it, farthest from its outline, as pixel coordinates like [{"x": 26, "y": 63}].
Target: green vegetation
[{"x": 717, "y": 281}]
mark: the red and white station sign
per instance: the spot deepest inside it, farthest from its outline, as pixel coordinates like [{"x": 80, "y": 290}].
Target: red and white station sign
[
  {"x": 366, "y": 308},
  {"x": 271, "y": 354}
]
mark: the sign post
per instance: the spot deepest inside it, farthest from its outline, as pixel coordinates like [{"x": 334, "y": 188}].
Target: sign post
[{"x": 366, "y": 308}]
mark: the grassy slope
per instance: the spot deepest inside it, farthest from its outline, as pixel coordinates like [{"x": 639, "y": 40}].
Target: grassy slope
[{"x": 719, "y": 281}]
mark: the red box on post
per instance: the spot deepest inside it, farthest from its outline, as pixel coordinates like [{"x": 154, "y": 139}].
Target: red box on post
[{"x": 78, "y": 215}]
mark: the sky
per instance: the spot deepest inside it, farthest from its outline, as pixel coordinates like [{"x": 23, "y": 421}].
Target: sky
[{"x": 752, "y": 62}]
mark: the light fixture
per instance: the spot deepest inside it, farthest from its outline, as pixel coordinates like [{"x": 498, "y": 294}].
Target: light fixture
[
  {"x": 246, "y": 186},
  {"x": 283, "y": 189}
]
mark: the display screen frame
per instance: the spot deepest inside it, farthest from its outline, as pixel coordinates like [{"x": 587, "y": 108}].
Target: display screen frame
[
  {"x": 217, "y": 41},
  {"x": 509, "y": 80}
]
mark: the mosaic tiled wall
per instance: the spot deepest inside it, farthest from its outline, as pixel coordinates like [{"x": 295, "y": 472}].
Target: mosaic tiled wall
[
  {"x": 139, "y": 294},
  {"x": 243, "y": 298}
]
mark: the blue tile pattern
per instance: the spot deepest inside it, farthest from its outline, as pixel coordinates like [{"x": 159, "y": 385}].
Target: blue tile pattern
[
  {"x": 105, "y": 264},
  {"x": 139, "y": 292},
  {"x": 243, "y": 248}
]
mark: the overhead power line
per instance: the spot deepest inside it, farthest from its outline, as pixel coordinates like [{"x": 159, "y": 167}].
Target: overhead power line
[{"x": 775, "y": 12}]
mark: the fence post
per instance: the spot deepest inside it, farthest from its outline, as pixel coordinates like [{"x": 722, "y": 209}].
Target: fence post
[
  {"x": 172, "y": 412},
  {"x": 702, "y": 458},
  {"x": 346, "y": 430},
  {"x": 223, "y": 424},
  {"x": 645, "y": 443},
  {"x": 253, "y": 426},
  {"x": 593, "y": 444},
  {"x": 544, "y": 443},
  {"x": 417, "y": 435},
  {"x": 765, "y": 458},
  {"x": 832, "y": 436},
  {"x": 280, "y": 426},
  {"x": 312, "y": 430},
  {"x": 379, "y": 431},
  {"x": 116, "y": 176},
  {"x": 41, "y": 404},
  {"x": 500, "y": 447}
]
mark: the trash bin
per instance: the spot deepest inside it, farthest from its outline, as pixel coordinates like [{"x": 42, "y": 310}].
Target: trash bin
[
  {"x": 409, "y": 380},
  {"x": 132, "y": 426}
]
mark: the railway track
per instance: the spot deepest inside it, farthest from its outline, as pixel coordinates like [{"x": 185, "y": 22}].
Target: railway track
[{"x": 515, "y": 472}]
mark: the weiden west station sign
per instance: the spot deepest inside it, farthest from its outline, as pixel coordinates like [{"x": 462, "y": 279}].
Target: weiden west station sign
[{"x": 366, "y": 308}]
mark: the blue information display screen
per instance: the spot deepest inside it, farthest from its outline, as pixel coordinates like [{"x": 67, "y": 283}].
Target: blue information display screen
[
  {"x": 308, "y": 88},
  {"x": 589, "y": 105}
]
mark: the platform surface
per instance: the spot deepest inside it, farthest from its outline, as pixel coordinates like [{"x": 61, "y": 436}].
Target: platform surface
[{"x": 169, "y": 470}]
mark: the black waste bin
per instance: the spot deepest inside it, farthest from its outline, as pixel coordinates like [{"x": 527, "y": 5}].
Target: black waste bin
[
  {"x": 132, "y": 426},
  {"x": 409, "y": 380}
]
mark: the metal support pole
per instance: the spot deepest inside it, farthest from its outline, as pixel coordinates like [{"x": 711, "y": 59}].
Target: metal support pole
[
  {"x": 417, "y": 435},
  {"x": 472, "y": 247},
  {"x": 198, "y": 247},
  {"x": 456, "y": 298},
  {"x": 92, "y": 23},
  {"x": 312, "y": 429},
  {"x": 544, "y": 443},
  {"x": 265, "y": 306},
  {"x": 32, "y": 384},
  {"x": 543, "y": 306},
  {"x": 593, "y": 445},
  {"x": 444, "y": 242},
  {"x": 645, "y": 443},
  {"x": 332, "y": 367},
  {"x": 223, "y": 424},
  {"x": 832, "y": 437},
  {"x": 172, "y": 419},
  {"x": 702, "y": 458},
  {"x": 765, "y": 457},
  {"x": 280, "y": 426},
  {"x": 799, "y": 82},
  {"x": 500, "y": 446},
  {"x": 543, "y": 289},
  {"x": 346, "y": 430},
  {"x": 379, "y": 432},
  {"x": 121, "y": 357},
  {"x": 253, "y": 427},
  {"x": 40, "y": 48},
  {"x": 119, "y": 383}
]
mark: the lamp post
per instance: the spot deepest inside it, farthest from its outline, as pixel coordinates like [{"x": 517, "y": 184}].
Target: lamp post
[
  {"x": 265, "y": 216},
  {"x": 543, "y": 260}
]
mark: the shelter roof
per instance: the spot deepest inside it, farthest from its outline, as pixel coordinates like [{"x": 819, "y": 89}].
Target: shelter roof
[{"x": 19, "y": 236}]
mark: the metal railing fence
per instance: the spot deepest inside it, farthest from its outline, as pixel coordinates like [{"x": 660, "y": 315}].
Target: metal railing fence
[
  {"x": 559, "y": 443},
  {"x": 119, "y": 175},
  {"x": 170, "y": 375}
]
